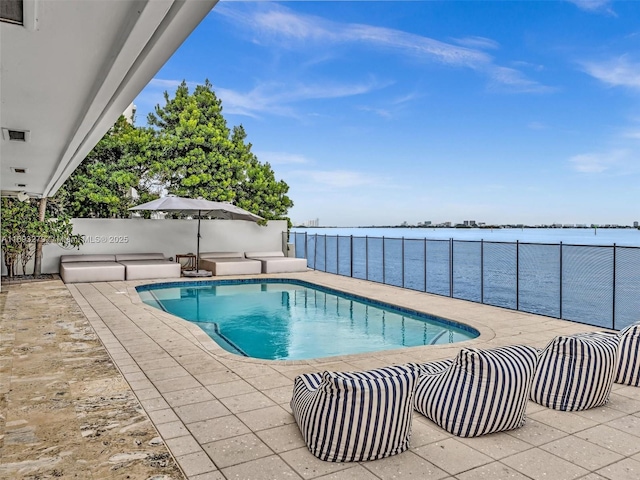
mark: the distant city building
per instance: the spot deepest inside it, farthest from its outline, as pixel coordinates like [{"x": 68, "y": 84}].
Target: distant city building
[
  {"x": 469, "y": 223},
  {"x": 635, "y": 224},
  {"x": 129, "y": 113}
]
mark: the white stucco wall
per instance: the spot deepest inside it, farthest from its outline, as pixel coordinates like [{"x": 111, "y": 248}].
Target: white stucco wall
[{"x": 170, "y": 237}]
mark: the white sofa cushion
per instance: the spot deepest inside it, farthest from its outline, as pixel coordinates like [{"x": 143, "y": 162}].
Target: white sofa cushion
[
  {"x": 139, "y": 256},
  {"x": 263, "y": 254},
  {"x": 221, "y": 255}
]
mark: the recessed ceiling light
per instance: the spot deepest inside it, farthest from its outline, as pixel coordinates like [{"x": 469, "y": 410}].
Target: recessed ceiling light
[
  {"x": 14, "y": 135},
  {"x": 21, "y": 185},
  {"x": 19, "y": 170}
]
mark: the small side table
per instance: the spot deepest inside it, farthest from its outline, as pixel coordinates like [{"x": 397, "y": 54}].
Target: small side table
[{"x": 190, "y": 264}]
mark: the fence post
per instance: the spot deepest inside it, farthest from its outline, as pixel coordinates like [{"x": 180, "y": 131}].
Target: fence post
[
  {"x": 613, "y": 316},
  {"x": 517, "y": 275},
  {"x": 325, "y": 253},
  {"x": 315, "y": 251},
  {"x": 306, "y": 252},
  {"x": 481, "y": 270},
  {"x": 451, "y": 267},
  {"x": 425, "y": 264},
  {"x": 366, "y": 257},
  {"x": 402, "y": 262},
  {"x": 384, "y": 281},
  {"x": 351, "y": 257},
  {"x": 560, "y": 280},
  {"x": 337, "y": 254}
]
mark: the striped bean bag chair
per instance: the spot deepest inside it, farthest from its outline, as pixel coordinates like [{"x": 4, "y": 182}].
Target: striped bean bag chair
[
  {"x": 576, "y": 372},
  {"x": 354, "y": 416},
  {"x": 628, "y": 370},
  {"x": 478, "y": 392}
]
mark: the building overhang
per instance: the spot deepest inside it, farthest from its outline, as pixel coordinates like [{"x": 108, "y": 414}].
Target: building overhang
[{"x": 69, "y": 70}]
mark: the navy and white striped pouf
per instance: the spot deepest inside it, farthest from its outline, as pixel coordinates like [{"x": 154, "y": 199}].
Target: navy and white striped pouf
[
  {"x": 628, "y": 370},
  {"x": 355, "y": 416},
  {"x": 576, "y": 372},
  {"x": 480, "y": 391}
]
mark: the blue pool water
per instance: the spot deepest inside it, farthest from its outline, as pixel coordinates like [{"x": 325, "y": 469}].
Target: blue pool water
[{"x": 295, "y": 320}]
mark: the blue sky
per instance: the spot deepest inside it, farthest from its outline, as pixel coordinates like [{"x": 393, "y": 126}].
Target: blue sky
[{"x": 377, "y": 113}]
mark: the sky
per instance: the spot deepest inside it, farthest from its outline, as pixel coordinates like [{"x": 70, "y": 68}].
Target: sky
[{"x": 377, "y": 113}]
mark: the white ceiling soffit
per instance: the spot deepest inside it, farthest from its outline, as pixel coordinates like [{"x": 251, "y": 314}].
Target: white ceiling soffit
[{"x": 71, "y": 70}]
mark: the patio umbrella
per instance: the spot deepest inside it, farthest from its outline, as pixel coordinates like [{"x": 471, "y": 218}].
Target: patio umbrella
[{"x": 198, "y": 207}]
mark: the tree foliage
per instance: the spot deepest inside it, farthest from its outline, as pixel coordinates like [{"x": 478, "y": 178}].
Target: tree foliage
[
  {"x": 22, "y": 229},
  {"x": 188, "y": 150},
  {"x": 200, "y": 157},
  {"x": 100, "y": 186}
]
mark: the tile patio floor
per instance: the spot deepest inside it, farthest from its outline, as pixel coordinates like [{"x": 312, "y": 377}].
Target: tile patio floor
[{"x": 227, "y": 417}]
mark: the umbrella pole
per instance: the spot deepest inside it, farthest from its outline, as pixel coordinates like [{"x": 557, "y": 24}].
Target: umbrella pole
[{"x": 198, "y": 245}]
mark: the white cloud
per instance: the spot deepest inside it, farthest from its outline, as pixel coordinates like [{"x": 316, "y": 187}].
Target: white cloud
[
  {"x": 594, "y": 6},
  {"x": 618, "y": 72},
  {"x": 337, "y": 178},
  {"x": 276, "y": 98},
  {"x": 477, "y": 42},
  {"x": 269, "y": 24},
  {"x": 272, "y": 98},
  {"x": 633, "y": 134},
  {"x": 282, "y": 158},
  {"x": 598, "y": 162}
]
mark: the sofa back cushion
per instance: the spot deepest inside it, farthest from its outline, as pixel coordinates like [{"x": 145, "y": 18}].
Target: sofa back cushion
[
  {"x": 221, "y": 255},
  {"x": 263, "y": 254},
  {"x": 87, "y": 258},
  {"x": 139, "y": 256}
]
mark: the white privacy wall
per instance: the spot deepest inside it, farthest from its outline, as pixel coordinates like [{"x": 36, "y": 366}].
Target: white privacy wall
[{"x": 170, "y": 237}]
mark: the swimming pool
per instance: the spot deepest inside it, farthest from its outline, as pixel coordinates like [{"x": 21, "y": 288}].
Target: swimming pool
[{"x": 280, "y": 319}]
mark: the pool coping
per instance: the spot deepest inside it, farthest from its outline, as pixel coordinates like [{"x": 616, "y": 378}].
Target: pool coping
[
  {"x": 484, "y": 332},
  {"x": 396, "y": 309}
]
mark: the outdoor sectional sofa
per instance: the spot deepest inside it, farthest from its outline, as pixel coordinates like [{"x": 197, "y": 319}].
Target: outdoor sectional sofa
[
  {"x": 122, "y": 266},
  {"x": 276, "y": 262},
  {"x": 229, "y": 263}
]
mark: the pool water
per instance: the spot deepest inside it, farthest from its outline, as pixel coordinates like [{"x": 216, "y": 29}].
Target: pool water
[{"x": 297, "y": 320}]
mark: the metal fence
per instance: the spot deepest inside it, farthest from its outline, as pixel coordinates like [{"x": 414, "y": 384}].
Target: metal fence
[{"x": 595, "y": 285}]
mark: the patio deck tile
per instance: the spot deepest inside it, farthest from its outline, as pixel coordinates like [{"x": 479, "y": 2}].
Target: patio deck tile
[
  {"x": 283, "y": 438},
  {"x": 612, "y": 439},
  {"x": 267, "y": 468},
  {"x": 196, "y": 464},
  {"x": 197, "y": 412},
  {"x": 406, "y": 466},
  {"x": 247, "y": 402},
  {"x": 179, "y": 398},
  {"x": 452, "y": 456},
  {"x": 264, "y": 418},
  {"x": 581, "y": 452},
  {"x": 213, "y": 429},
  {"x": 229, "y": 389},
  {"x": 541, "y": 465},
  {"x": 224, "y": 416},
  {"x": 357, "y": 472},
  {"x": 308, "y": 466},
  {"x": 492, "y": 471},
  {"x": 236, "y": 450}
]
